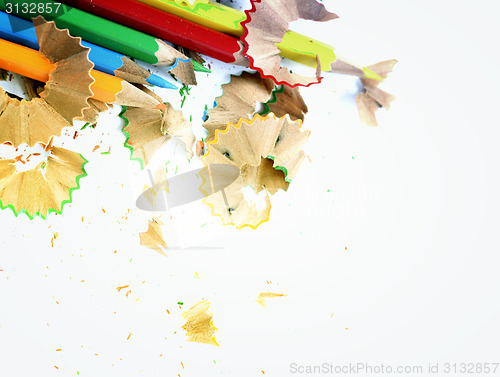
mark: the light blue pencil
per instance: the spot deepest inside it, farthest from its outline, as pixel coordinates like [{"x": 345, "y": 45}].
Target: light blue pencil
[{"x": 105, "y": 60}]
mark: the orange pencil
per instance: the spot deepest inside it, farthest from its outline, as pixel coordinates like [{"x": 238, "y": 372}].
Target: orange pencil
[{"x": 106, "y": 88}]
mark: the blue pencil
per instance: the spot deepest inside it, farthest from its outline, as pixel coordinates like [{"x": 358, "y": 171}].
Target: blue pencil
[{"x": 105, "y": 60}]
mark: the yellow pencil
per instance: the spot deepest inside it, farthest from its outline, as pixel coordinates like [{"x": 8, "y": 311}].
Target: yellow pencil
[
  {"x": 106, "y": 88},
  {"x": 294, "y": 46}
]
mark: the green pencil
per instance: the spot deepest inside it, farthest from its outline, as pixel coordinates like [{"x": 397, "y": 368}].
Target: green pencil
[{"x": 102, "y": 32}]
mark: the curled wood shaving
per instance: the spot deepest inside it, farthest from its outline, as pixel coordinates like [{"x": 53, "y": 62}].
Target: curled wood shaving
[
  {"x": 372, "y": 98},
  {"x": 239, "y": 99},
  {"x": 268, "y": 152},
  {"x": 43, "y": 189},
  {"x": 63, "y": 98},
  {"x": 286, "y": 100},
  {"x": 149, "y": 129},
  {"x": 199, "y": 325},
  {"x": 262, "y": 297},
  {"x": 153, "y": 237},
  {"x": 266, "y": 24},
  {"x": 68, "y": 88}
]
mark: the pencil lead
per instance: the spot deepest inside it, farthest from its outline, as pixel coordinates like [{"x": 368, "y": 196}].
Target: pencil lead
[{"x": 161, "y": 106}]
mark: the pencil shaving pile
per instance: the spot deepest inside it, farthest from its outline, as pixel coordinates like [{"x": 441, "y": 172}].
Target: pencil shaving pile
[
  {"x": 67, "y": 97},
  {"x": 255, "y": 125},
  {"x": 268, "y": 152},
  {"x": 63, "y": 98},
  {"x": 239, "y": 100},
  {"x": 48, "y": 186},
  {"x": 44, "y": 189},
  {"x": 255, "y": 128},
  {"x": 265, "y": 26}
]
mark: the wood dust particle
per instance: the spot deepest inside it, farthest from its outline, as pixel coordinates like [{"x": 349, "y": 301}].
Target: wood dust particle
[
  {"x": 128, "y": 292},
  {"x": 199, "y": 147},
  {"x": 55, "y": 366},
  {"x": 129, "y": 335},
  {"x": 122, "y": 287},
  {"x": 168, "y": 311},
  {"x": 346, "y": 248},
  {"x": 59, "y": 349},
  {"x": 95, "y": 148},
  {"x": 103, "y": 210},
  {"x": 182, "y": 365},
  {"x": 19, "y": 159}
]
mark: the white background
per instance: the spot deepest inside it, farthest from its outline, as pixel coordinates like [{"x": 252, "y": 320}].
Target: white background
[{"x": 385, "y": 243}]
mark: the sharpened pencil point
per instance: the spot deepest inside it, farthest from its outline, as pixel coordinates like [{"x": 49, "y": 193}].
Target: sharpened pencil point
[
  {"x": 369, "y": 74},
  {"x": 161, "y": 106},
  {"x": 160, "y": 81},
  {"x": 198, "y": 67}
]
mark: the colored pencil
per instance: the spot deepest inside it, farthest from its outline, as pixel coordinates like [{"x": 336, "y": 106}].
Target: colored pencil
[
  {"x": 294, "y": 46},
  {"x": 105, "y": 33},
  {"x": 105, "y": 60},
  {"x": 106, "y": 88},
  {"x": 192, "y": 35},
  {"x": 166, "y": 26}
]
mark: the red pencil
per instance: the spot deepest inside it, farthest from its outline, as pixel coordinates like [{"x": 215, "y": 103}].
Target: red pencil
[{"x": 167, "y": 26}]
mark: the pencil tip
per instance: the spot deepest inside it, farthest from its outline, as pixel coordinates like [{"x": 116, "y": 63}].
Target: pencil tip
[
  {"x": 198, "y": 67},
  {"x": 133, "y": 96},
  {"x": 161, "y": 82},
  {"x": 161, "y": 106}
]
